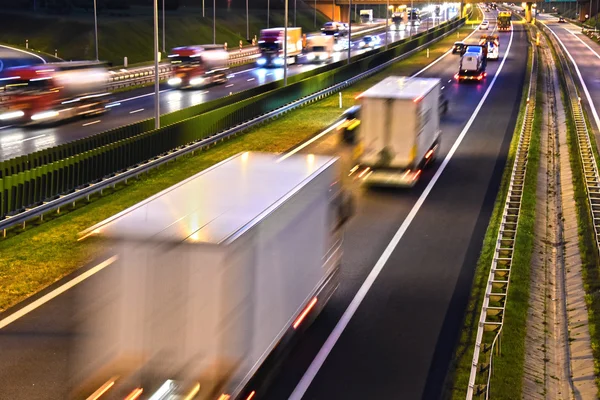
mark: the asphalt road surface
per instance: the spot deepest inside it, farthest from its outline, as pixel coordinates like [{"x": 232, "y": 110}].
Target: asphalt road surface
[
  {"x": 139, "y": 105},
  {"x": 401, "y": 339}
]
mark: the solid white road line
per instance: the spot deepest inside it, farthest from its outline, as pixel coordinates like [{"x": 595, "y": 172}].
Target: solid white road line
[
  {"x": 583, "y": 85},
  {"x": 59, "y": 290},
  {"x": 324, "y": 352},
  {"x": 91, "y": 123},
  {"x": 136, "y": 111}
]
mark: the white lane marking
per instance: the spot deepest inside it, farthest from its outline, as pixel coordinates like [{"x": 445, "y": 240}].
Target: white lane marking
[
  {"x": 143, "y": 95},
  {"x": 230, "y": 85},
  {"x": 317, "y": 363},
  {"x": 250, "y": 80},
  {"x": 583, "y": 85},
  {"x": 91, "y": 123},
  {"x": 586, "y": 45},
  {"x": 56, "y": 292},
  {"x": 22, "y": 140},
  {"x": 206, "y": 91},
  {"x": 23, "y": 51},
  {"x": 136, "y": 111},
  {"x": 6, "y": 127},
  {"x": 443, "y": 87}
]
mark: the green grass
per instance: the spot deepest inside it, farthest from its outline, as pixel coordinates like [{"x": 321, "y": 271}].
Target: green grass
[
  {"x": 587, "y": 245},
  {"x": 132, "y": 36},
  {"x": 40, "y": 255},
  {"x": 458, "y": 377}
]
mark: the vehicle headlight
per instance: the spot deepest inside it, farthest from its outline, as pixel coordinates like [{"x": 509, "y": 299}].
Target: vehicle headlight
[
  {"x": 278, "y": 61},
  {"x": 11, "y": 115},
  {"x": 261, "y": 61},
  {"x": 196, "y": 81},
  {"x": 310, "y": 56},
  {"x": 44, "y": 115},
  {"x": 174, "y": 81},
  {"x": 361, "y": 43},
  {"x": 393, "y": 27}
]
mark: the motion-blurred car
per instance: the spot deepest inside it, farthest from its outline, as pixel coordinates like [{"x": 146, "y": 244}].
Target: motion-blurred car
[
  {"x": 369, "y": 42},
  {"x": 561, "y": 19},
  {"x": 443, "y": 104},
  {"x": 459, "y": 48},
  {"x": 484, "y": 25}
]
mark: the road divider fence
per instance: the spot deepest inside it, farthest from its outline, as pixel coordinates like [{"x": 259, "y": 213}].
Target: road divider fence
[{"x": 37, "y": 183}]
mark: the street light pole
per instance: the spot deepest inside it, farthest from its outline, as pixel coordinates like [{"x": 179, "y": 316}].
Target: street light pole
[
  {"x": 214, "y": 21},
  {"x": 349, "y": 30},
  {"x": 156, "y": 77},
  {"x": 333, "y": 10},
  {"x": 163, "y": 28},
  {"x": 285, "y": 42},
  {"x": 96, "y": 29},
  {"x": 268, "y": 11},
  {"x": 387, "y": 17},
  {"x": 295, "y": 1},
  {"x": 247, "y": 22},
  {"x": 316, "y": 13}
]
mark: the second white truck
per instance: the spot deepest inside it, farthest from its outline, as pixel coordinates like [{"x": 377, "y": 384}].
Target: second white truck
[{"x": 399, "y": 131}]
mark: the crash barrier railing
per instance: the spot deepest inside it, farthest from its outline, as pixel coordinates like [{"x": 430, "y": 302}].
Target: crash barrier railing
[
  {"x": 491, "y": 319},
  {"x": 588, "y": 159},
  {"x": 47, "y": 179}
]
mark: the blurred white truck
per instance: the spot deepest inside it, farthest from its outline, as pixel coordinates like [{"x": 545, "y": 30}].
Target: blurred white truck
[
  {"x": 319, "y": 48},
  {"x": 399, "y": 132},
  {"x": 215, "y": 277}
]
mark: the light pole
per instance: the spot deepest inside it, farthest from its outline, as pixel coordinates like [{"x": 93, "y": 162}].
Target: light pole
[
  {"x": 333, "y": 10},
  {"x": 156, "y": 77},
  {"x": 349, "y": 30},
  {"x": 247, "y": 22},
  {"x": 214, "y": 21},
  {"x": 268, "y": 11},
  {"x": 163, "y": 27},
  {"x": 96, "y": 28},
  {"x": 387, "y": 17},
  {"x": 203, "y": 9},
  {"x": 285, "y": 41},
  {"x": 316, "y": 13},
  {"x": 295, "y": 1}
]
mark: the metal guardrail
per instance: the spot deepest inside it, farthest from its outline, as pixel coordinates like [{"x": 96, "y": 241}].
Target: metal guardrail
[
  {"x": 85, "y": 193},
  {"x": 586, "y": 153},
  {"x": 491, "y": 319}
]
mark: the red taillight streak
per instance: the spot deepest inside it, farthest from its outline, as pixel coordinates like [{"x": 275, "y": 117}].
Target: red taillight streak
[
  {"x": 301, "y": 317},
  {"x": 135, "y": 394},
  {"x": 417, "y": 175}
]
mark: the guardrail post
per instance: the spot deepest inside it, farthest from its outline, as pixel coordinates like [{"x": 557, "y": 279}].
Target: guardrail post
[
  {"x": 225, "y": 46},
  {"x": 55, "y": 53},
  {"x": 27, "y": 43},
  {"x": 427, "y": 53},
  {"x": 125, "y": 62},
  {"x": 340, "y": 99}
]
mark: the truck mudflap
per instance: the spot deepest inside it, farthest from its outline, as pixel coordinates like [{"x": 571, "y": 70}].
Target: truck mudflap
[{"x": 388, "y": 177}]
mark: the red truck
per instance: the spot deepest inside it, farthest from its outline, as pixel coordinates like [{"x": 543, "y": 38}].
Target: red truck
[
  {"x": 46, "y": 93},
  {"x": 271, "y": 43},
  {"x": 198, "y": 66}
]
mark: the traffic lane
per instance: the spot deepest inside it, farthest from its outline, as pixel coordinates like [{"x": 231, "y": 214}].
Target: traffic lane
[
  {"x": 379, "y": 214},
  {"x": 10, "y": 57},
  {"x": 17, "y": 141}
]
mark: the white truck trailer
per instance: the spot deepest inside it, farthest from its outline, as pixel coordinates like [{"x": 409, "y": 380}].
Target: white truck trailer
[
  {"x": 319, "y": 48},
  {"x": 399, "y": 131},
  {"x": 215, "y": 276}
]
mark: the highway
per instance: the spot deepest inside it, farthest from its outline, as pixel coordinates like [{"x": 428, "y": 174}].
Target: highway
[
  {"x": 400, "y": 340},
  {"x": 586, "y": 55},
  {"x": 138, "y": 105}
]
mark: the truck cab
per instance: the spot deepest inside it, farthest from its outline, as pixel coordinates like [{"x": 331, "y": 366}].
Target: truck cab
[
  {"x": 271, "y": 46},
  {"x": 198, "y": 66},
  {"x": 319, "y": 49}
]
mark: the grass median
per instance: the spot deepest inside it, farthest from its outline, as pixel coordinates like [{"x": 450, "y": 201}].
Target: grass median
[
  {"x": 40, "y": 255},
  {"x": 508, "y": 369}
]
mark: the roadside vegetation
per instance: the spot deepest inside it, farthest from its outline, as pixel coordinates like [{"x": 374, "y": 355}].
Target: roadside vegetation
[
  {"x": 40, "y": 255},
  {"x": 508, "y": 368},
  {"x": 131, "y": 36}
]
